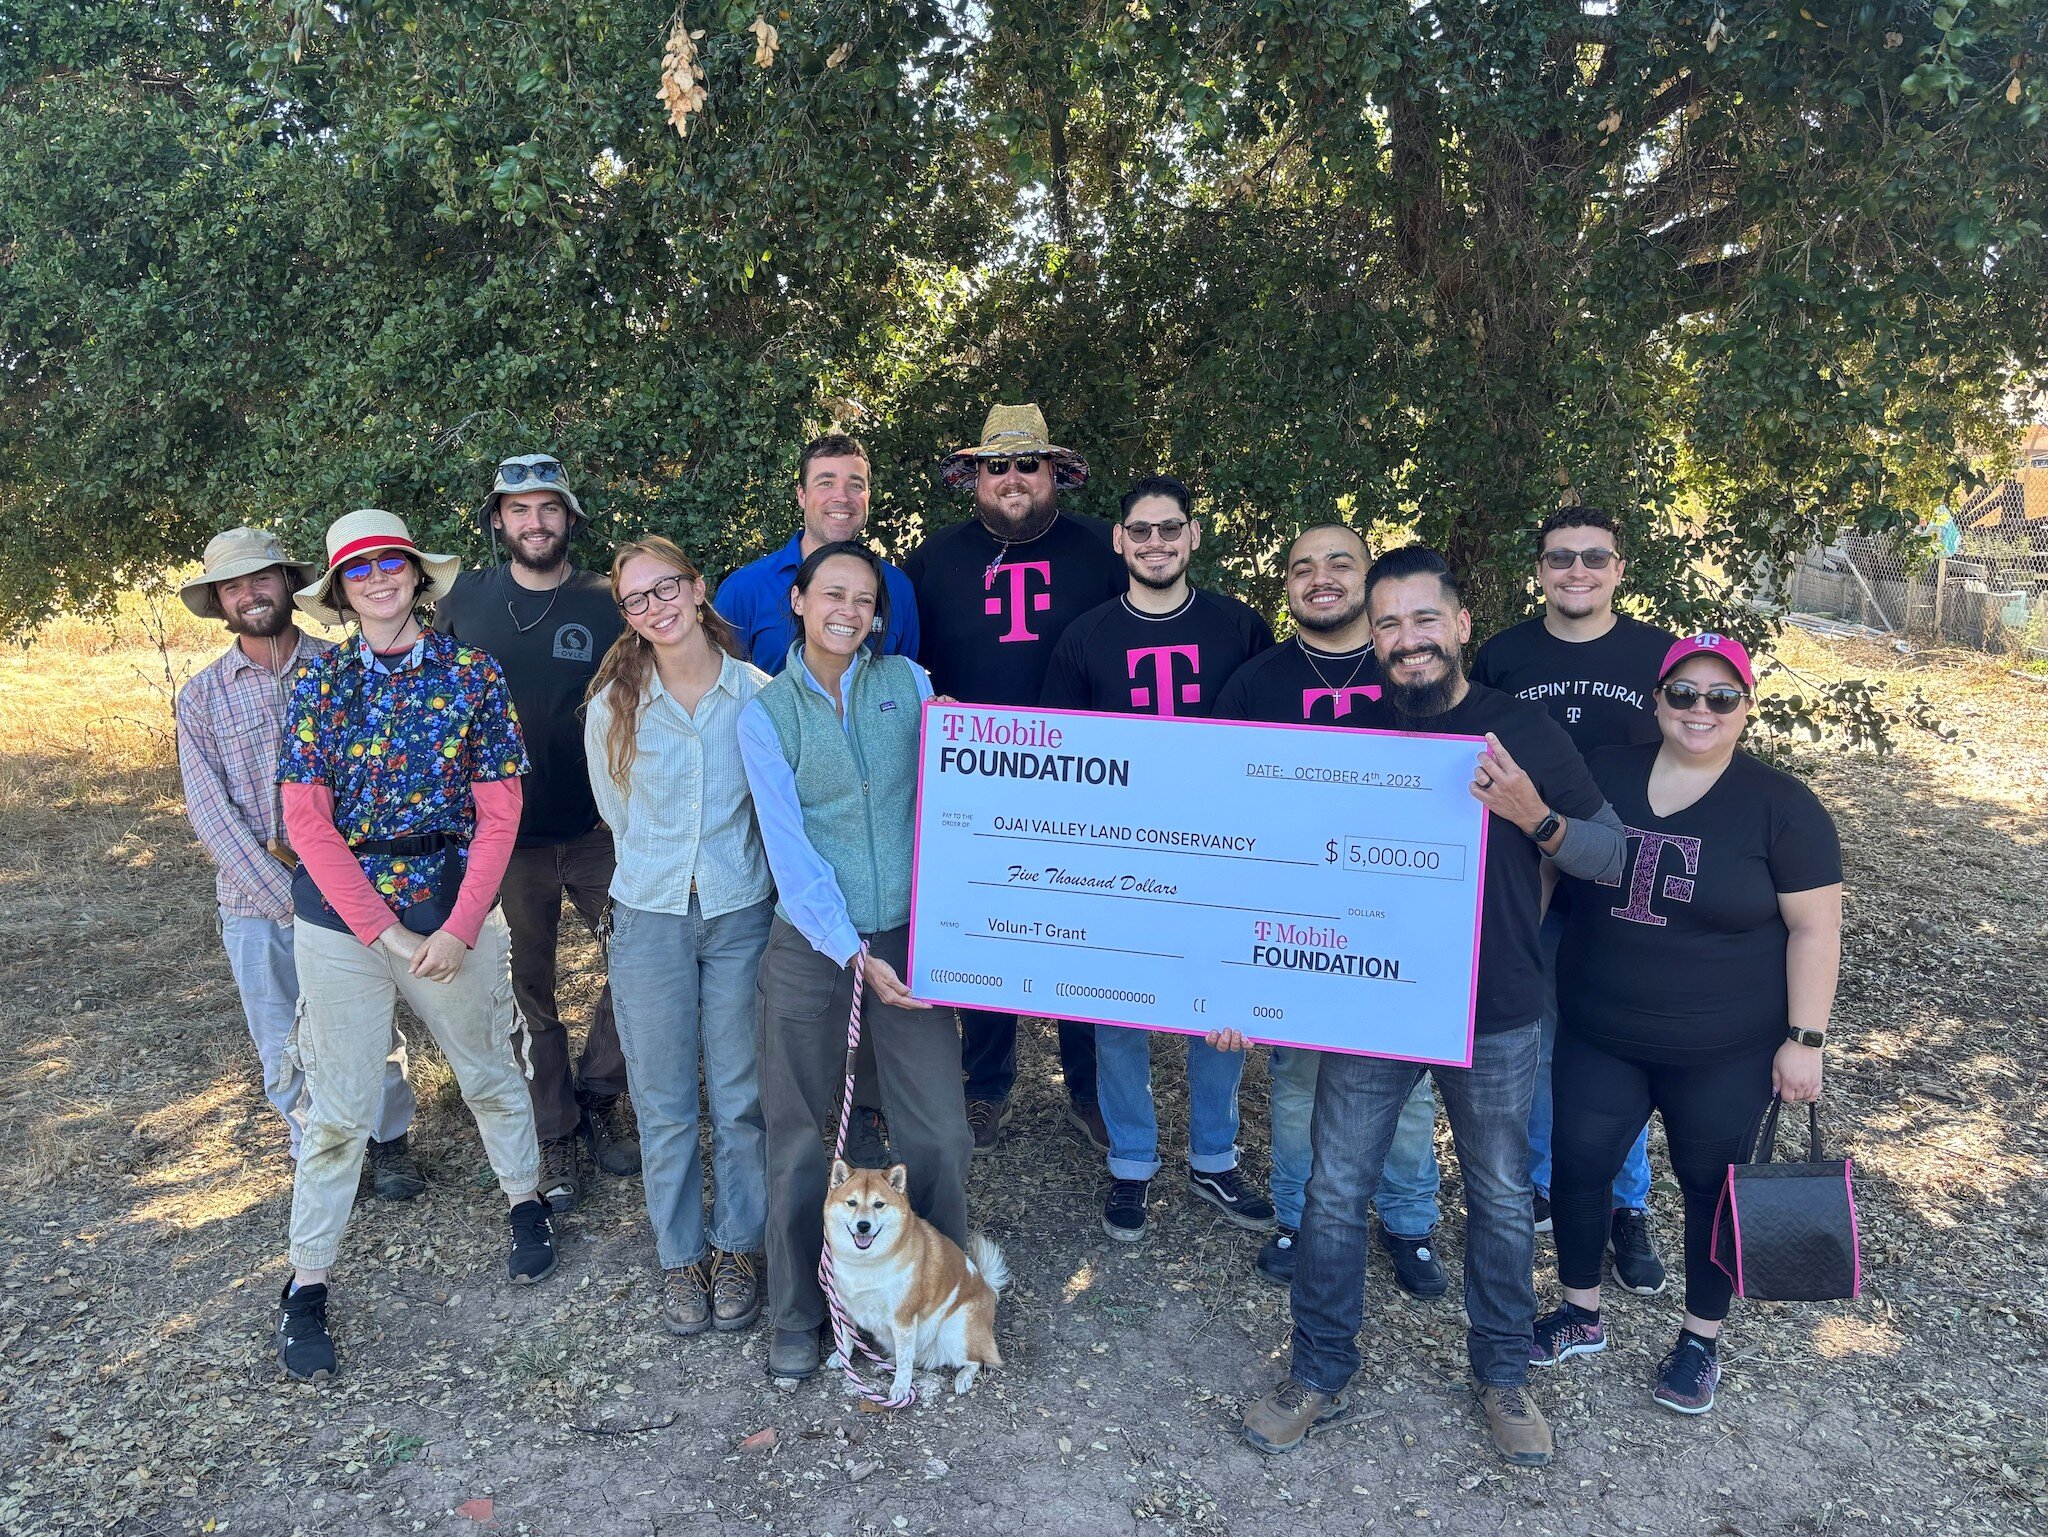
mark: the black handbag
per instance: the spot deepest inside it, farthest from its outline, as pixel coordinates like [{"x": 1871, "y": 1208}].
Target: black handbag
[{"x": 1786, "y": 1232}]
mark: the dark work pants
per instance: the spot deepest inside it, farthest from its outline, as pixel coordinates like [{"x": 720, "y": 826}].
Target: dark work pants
[
  {"x": 803, "y": 1001},
  {"x": 1602, "y": 1099},
  {"x": 535, "y": 882},
  {"x": 988, "y": 1056}
]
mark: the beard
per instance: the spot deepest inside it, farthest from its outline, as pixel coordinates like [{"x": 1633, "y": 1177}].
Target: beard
[
  {"x": 1323, "y": 624},
  {"x": 549, "y": 559},
  {"x": 279, "y": 621},
  {"x": 1420, "y": 700},
  {"x": 1036, "y": 519},
  {"x": 1157, "y": 583}
]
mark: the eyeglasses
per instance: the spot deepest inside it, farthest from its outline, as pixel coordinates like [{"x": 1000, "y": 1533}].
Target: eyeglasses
[
  {"x": 359, "y": 571},
  {"x": 1169, "y": 530},
  {"x": 1595, "y": 559},
  {"x": 1722, "y": 698},
  {"x": 514, "y": 473},
  {"x": 1002, "y": 466},
  {"x": 635, "y": 603}
]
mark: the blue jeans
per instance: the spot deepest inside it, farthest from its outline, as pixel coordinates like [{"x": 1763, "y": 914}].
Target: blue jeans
[
  {"x": 1358, "y": 1105},
  {"x": 1632, "y": 1184},
  {"x": 1123, "y": 1082},
  {"x": 988, "y": 1056},
  {"x": 680, "y": 986},
  {"x": 1406, "y": 1199}
]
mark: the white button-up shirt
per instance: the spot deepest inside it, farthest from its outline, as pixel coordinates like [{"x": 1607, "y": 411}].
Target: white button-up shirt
[{"x": 685, "y": 818}]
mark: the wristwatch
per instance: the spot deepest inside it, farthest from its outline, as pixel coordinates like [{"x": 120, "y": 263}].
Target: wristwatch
[
  {"x": 1547, "y": 828},
  {"x": 1814, "y": 1038}
]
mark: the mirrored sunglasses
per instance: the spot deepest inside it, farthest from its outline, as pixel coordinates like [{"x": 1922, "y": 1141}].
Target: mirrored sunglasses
[
  {"x": 545, "y": 471},
  {"x": 1027, "y": 465},
  {"x": 359, "y": 570}
]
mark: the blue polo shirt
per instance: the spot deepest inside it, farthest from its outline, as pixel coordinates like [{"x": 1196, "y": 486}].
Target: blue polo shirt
[{"x": 755, "y": 602}]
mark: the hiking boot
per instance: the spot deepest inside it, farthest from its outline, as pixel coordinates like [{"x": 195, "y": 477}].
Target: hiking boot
[
  {"x": 1417, "y": 1270},
  {"x": 1088, "y": 1124},
  {"x": 867, "y": 1139},
  {"x": 1276, "y": 1255},
  {"x": 394, "y": 1172},
  {"x": 1634, "y": 1252},
  {"x": 1570, "y": 1331},
  {"x": 793, "y": 1354},
  {"x": 1542, "y": 1212},
  {"x": 686, "y": 1299},
  {"x": 1520, "y": 1433},
  {"x": 614, "y": 1139},
  {"x": 1687, "y": 1377},
  {"x": 986, "y": 1118},
  {"x": 735, "y": 1290},
  {"x": 1291, "y": 1413},
  {"x": 533, "y": 1242},
  {"x": 559, "y": 1186},
  {"x": 1240, "y": 1204},
  {"x": 1123, "y": 1214},
  {"x": 304, "y": 1348}
]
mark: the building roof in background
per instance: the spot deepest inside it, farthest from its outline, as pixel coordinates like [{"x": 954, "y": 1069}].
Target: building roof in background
[{"x": 2021, "y": 501}]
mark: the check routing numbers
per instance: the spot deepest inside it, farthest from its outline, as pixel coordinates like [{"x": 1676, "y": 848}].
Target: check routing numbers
[{"x": 1308, "y": 887}]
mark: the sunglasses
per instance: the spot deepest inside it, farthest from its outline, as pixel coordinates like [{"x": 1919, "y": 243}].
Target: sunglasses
[
  {"x": 1596, "y": 560},
  {"x": 635, "y": 603},
  {"x": 547, "y": 472},
  {"x": 1169, "y": 530},
  {"x": 1028, "y": 466},
  {"x": 1722, "y": 698},
  {"x": 359, "y": 571}
]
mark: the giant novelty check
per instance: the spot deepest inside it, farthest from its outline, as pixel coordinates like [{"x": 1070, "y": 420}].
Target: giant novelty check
[{"x": 1304, "y": 885}]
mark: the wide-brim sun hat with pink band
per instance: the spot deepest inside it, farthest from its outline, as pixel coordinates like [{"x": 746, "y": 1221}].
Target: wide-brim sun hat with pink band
[
  {"x": 370, "y": 531},
  {"x": 1726, "y": 647}
]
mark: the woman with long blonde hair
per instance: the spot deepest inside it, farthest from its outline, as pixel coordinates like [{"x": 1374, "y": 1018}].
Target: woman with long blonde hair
[{"x": 692, "y": 901}]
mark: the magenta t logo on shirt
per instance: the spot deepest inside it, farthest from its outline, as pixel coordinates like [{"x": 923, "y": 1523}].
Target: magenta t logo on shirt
[
  {"x": 1650, "y": 848},
  {"x": 1340, "y": 700},
  {"x": 1164, "y": 687},
  {"x": 1014, "y": 603}
]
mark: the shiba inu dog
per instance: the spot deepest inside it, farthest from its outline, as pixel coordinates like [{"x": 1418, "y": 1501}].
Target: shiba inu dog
[{"x": 906, "y": 1283}]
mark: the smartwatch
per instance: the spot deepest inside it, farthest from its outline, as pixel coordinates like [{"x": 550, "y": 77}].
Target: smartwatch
[
  {"x": 1547, "y": 828},
  {"x": 1801, "y": 1037}
]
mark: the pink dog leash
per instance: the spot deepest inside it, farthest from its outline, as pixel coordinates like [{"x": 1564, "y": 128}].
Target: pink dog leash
[{"x": 846, "y": 1338}]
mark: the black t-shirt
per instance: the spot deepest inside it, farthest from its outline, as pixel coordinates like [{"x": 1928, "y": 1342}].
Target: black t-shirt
[
  {"x": 1685, "y": 962},
  {"x": 1601, "y": 691},
  {"x": 1116, "y": 658},
  {"x": 990, "y": 612},
  {"x": 1510, "y": 963},
  {"x": 1297, "y": 685},
  {"x": 549, "y": 655}
]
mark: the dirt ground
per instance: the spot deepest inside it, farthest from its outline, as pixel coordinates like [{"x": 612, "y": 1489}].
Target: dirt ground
[{"x": 144, "y": 1191}]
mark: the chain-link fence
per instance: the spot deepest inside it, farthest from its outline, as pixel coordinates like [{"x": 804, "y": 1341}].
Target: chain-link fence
[{"x": 1990, "y": 594}]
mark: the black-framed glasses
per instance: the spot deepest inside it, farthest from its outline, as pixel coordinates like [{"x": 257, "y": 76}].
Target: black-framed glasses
[
  {"x": 1722, "y": 698},
  {"x": 1025, "y": 466},
  {"x": 1595, "y": 559},
  {"x": 359, "y": 570},
  {"x": 667, "y": 589},
  {"x": 1168, "y": 529},
  {"x": 516, "y": 473}
]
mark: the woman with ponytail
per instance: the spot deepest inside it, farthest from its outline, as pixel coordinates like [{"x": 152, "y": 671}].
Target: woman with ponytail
[{"x": 691, "y": 907}]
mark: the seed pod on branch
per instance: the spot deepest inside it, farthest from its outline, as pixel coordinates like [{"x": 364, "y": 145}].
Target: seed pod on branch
[{"x": 682, "y": 81}]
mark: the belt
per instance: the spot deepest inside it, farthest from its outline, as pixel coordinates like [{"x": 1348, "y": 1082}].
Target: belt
[{"x": 407, "y": 848}]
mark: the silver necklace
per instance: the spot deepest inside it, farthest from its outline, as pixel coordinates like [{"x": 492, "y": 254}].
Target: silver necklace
[
  {"x": 1357, "y": 667},
  {"x": 553, "y": 594}
]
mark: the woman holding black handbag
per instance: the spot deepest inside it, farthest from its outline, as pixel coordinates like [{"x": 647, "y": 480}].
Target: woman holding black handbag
[{"x": 1698, "y": 990}]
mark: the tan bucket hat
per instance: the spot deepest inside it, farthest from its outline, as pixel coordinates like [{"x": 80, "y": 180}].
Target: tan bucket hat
[
  {"x": 239, "y": 552},
  {"x": 1008, "y": 432},
  {"x": 366, "y": 531}
]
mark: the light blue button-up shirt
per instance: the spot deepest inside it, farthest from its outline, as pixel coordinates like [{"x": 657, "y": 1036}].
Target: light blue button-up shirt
[
  {"x": 689, "y": 817},
  {"x": 809, "y": 890}
]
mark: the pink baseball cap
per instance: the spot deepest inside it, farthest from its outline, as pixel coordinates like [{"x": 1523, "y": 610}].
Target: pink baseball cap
[{"x": 1726, "y": 647}]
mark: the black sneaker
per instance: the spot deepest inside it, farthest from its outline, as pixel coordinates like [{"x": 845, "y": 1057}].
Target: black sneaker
[
  {"x": 1123, "y": 1214},
  {"x": 304, "y": 1348},
  {"x": 1636, "y": 1263},
  {"x": 1417, "y": 1270},
  {"x": 614, "y": 1140},
  {"x": 1276, "y": 1255},
  {"x": 1687, "y": 1377},
  {"x": 867, "y": 1139},
  {"x": 1542, "y": 1212},
  {"x": 1229, "y": 1194},
  {"x": 533, "y": 1242},
  {"x": 394, "y": 1172},
  {"x": 559, "y": 1186}
]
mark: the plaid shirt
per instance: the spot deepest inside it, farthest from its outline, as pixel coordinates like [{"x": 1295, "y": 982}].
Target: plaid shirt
[{"x": 230, "y": 725}]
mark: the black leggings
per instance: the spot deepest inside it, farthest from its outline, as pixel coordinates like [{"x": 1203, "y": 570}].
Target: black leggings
[{"x": 1601, "y": 1101}]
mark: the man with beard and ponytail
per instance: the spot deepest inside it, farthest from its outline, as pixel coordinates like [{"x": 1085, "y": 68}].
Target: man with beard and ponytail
[
  {"x": 231, "y": 720},
  {"x": 1165, "y": 648},
  {"x": 1543, "y": 806},
  {"x": 548, "y": 625},
  {"x": 993, "y": 596},
  {"x": 1327, "y": 676}
]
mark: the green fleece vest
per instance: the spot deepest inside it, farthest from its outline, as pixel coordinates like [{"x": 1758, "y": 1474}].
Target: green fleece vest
[{"x": 858, "y": 786}]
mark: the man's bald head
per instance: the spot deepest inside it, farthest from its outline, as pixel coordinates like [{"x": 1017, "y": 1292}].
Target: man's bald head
[{"x": 1326, "y": 585}]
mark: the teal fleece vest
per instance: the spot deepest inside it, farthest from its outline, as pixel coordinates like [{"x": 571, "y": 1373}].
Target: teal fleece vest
[{"x": 857, "y": 788}]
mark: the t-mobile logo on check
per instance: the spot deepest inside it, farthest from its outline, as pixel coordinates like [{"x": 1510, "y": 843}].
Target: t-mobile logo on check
[
  {"x": 1014, "y": 602},
  {"x": 1643, "y": 884},
  {"x": 1164, "y": 689}
]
